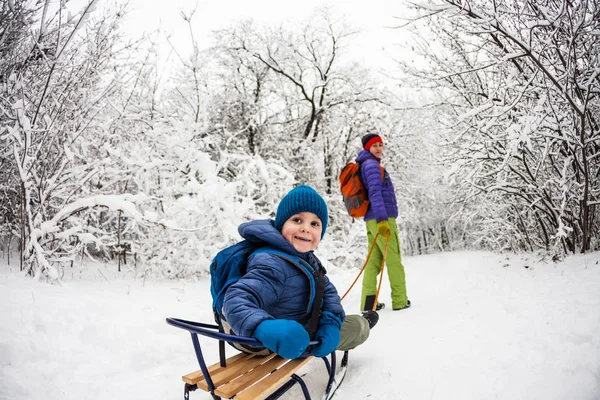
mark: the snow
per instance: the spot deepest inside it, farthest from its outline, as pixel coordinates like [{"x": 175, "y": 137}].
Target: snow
[{"x": 482, "y": 326}]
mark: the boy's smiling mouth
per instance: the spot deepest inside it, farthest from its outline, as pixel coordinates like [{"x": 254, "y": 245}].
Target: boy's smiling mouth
[{"x": 302, "y": 239}]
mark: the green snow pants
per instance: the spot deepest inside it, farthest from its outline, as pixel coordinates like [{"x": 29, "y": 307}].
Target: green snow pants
[
  {"x": 355, "y": 330},
  {"x": 394, "y": 267}
]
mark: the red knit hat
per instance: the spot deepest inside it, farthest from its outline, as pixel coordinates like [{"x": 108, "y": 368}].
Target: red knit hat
[{"x": 370, "y": 139}]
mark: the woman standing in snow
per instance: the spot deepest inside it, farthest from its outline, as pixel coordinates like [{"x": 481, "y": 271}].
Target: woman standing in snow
[{"x": 380, "y": 219}]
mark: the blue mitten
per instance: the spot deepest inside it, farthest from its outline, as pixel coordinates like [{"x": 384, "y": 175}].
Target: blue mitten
[
  {"x": 329, "y": 336},
  {"x": 285, "y": 337}
]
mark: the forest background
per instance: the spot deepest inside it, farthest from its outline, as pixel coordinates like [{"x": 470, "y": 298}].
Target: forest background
[{"x": 491, "y": 127}]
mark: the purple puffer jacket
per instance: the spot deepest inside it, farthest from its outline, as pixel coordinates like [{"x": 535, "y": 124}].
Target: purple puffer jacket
[{"x": 381, "y": 193}]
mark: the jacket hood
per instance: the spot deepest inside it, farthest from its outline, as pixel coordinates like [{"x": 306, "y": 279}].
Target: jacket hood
[
  {"x": 263, "y": 232},
  {"x": 364, "y": 155}
]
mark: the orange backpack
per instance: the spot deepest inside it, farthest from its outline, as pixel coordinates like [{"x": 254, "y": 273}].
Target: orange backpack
[{"x": 354, "y": 192}]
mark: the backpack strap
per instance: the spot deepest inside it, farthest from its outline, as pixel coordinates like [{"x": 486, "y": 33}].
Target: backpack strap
[
  {"x": 316, "y": 308},
  {"x": 317, "y": 282},
  {"x": 381, "y": 169}
]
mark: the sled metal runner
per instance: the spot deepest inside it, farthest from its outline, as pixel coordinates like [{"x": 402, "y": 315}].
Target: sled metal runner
[{"x": 248, "y": 376}]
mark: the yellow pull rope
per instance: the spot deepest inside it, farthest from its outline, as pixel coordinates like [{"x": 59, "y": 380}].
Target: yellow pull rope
[
  {"x": 387, "y": 241},
  {"x": 363, "y": 267}
]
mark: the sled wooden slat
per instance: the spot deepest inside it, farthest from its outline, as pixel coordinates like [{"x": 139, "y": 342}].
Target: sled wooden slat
[
  {"x": 273, "y": 380},
  {"x": 233, "y": 370},
  {"x": 196, "y": 377},
  {"x": 247, "y": 376}
]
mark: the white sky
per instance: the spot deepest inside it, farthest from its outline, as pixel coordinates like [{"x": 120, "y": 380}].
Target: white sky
[
  {"x": 370, "y": 17},
  {"x": 482, "y": 326}
]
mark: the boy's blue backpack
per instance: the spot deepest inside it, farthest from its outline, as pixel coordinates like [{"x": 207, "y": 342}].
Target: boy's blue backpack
[
  {"x": 226, "y": 268},
  {"x": 229, "y": 265}
]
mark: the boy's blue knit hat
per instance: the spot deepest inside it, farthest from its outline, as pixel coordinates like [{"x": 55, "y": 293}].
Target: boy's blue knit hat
[{"x": 301, "y": 199}]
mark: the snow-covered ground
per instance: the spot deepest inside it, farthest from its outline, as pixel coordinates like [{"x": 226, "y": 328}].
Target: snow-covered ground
[{"x": 482, "y": 326}]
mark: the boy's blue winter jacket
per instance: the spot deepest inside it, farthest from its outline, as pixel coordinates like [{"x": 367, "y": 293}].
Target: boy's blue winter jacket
[
  {"x": 382, "y": 198},
  {"x": 273, "y": 288}
]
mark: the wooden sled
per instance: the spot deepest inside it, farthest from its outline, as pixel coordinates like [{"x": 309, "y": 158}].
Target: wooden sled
[{"x": 249, "y": 376}]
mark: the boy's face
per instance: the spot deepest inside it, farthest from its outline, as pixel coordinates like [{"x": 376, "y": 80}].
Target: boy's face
[
  {"x": 376, "y": 149},
  {"x": 303, "y": 231}
]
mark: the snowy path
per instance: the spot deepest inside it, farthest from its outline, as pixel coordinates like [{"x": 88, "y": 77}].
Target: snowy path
[{"x": 482, "y": 326}]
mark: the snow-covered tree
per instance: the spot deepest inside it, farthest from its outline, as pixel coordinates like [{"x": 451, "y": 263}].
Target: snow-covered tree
[
  {"x": 55, "y": 86},
  {"x": 520, "y": 85},
  {"x": 310, "y": 90}
]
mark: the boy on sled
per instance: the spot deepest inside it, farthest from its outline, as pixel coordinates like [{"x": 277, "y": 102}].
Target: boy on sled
[{"x": 272, "y": 301}]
